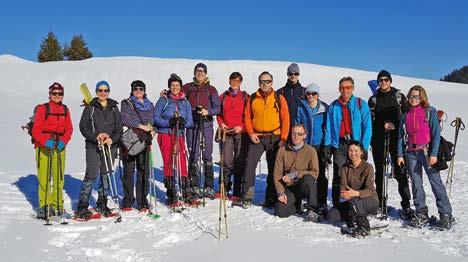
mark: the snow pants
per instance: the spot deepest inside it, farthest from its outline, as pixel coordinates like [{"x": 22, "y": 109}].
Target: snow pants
[{"x": 50, "y": 163}]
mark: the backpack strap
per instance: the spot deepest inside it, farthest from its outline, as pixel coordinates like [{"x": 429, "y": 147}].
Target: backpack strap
[{"x": 91, "y": 115}]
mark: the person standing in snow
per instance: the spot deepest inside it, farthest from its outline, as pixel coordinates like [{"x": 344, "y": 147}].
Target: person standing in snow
[
  {"x": 387, "y": 106},
  {"x": 358, "y": 197},
  {"x": 293, "y": 91},
  {"x": 420, "y": 132},
  {"x": 173, "y": 111},
  {"x": 51, "y": 133},
  {"x": 312, "y": 113},
  {"x": 231, "y": 120},
  {"x": 204, "y": 99},
  {"x": 137, "y": 113},
  {"x": 100, "y": 124},
  {"x": 295, "y": 176},
  {"x": 350, "y": 119},
  {"x": 266, "y": 120}
]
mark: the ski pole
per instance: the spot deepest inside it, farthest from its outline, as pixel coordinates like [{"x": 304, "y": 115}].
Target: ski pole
[
  {"x": 222, "y": 198},
  {"x": 48, "y": 186},
  {"x": 63, "y": 215},
  {"x": 202, "y": 177},
  {"x": 107, "y": 155},
  {"x": 459, "y": 125}
]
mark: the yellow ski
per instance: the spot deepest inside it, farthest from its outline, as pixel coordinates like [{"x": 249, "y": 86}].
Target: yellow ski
[{"x": 86, "y": 94}]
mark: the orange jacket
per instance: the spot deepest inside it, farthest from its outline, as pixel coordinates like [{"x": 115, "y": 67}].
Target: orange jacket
[{"x": 264, "y": 116}]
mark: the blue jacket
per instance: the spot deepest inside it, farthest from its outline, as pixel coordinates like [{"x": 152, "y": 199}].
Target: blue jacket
[
  {"x": 435, "y": 133},
  {"x": 361, "y": 122},
  {"x": 316, "y": 124},
  {"x": 164, "y": 110}
]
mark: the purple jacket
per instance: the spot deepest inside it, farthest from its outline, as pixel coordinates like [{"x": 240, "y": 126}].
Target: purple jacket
[
  {"x": 130, "y": 117},
  {"x": 204, "y": 95}
]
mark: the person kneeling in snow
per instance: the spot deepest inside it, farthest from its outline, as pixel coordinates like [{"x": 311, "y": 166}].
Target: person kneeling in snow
[
  {"x": 358, "y": 197},
  {"x": 295, "y": 176}
]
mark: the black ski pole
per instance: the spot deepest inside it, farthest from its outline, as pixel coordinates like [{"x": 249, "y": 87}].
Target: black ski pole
[
  {"x": 63, "y": 214},
  {"x": 385, "y": 176},
  {"x": 459, "y": 125},
  {"x": 201, "y": 168}
]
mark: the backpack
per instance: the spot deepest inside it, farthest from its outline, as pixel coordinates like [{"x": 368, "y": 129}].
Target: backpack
[
  {"x": 29, "y": 125},
  {"x": 443, "y": 155}
]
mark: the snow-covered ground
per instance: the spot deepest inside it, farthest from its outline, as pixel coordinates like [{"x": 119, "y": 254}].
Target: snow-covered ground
[{"x": 254, "y": 234}]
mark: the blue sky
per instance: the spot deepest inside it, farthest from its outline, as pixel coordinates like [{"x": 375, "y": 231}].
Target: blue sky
[{"x": 415, "y": 38}]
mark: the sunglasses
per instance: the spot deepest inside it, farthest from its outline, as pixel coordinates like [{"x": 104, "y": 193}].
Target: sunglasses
[
  {"x": 311, "y": 93},
  {"x": 264, "y": 82},
  {"x": 199, "y": 71},
  {"x": 297, "y": 134},
  {"x": 137, "y": 88},
  {"x": 56, "y": 93},
  {"x": 383, "y": 80},
  {"x": 346, "y": 87},
  {"x": 105, "y": 90},
  {"x": 293, "y": 74},
  {"x": 414, "y": 97}
]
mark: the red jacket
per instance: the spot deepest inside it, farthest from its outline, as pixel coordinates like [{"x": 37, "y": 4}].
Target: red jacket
[
  {"x": 43, "y": 128},
  {"x": 232, "y": 109}
]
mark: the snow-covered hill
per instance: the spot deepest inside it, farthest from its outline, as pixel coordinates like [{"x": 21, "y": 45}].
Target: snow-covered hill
[{"x": 255, "y": 234}]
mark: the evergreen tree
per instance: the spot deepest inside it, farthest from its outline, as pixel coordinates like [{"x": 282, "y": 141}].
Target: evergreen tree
[
  {"x": 77, "y": 50},
  {"x": 457, "y": 76},
  {"x": 50, "y": 49}
]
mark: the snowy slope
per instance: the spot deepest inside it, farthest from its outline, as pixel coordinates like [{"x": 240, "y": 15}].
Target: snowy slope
[{"x": 191, "y": 235}]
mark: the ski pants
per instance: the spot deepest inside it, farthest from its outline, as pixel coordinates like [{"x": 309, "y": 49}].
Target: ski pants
[
  {"x": 166, "y": 144},
  {"x": 270, "y": 145},
  {"x": 50, "y": 162},
  {"x": 193, "y": 145},
  {"x": 322, "y": 181},
  {"x": 340, "y": 156},
  {"x": 141, "y": 162},
  {"x": 416, "y": 162},
  {"x": 378, "y": 145},
  {"x": 305, "y": 188},
  {"x": 96, "y": 166},
  {"x": 235, "y": 150},
  {"x": 361, "y": 207}
]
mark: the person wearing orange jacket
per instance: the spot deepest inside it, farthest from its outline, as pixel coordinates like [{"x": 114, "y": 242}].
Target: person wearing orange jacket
[
  {"x": 51, "y": 132},
  {"x": 231, "y": 120},
  {"x": 266, "y": 120}
]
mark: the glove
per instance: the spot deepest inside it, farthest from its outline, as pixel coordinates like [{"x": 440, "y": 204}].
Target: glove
[
  {"x": 61, "y": 145},
  {"x": 50, "y": 144},
  {"x": 327, "y": 154},
  {"x": 173, "y": 121},
  {"x": 182, "y": 122}
]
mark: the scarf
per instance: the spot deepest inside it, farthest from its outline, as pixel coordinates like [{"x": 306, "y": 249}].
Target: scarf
[{"x": 145, "y": 106}]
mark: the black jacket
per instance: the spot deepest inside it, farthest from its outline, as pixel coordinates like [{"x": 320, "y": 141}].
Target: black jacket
[
  {"x": 385, "y": 108},
  {"x": 95, "y": 119},
  {"x": 293, "y": 93}
]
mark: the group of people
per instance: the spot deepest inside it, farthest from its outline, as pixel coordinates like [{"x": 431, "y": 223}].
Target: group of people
[{"x": 300, "y": 134}]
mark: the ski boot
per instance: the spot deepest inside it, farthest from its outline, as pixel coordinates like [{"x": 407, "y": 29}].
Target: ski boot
[
  {"x": 418, "y": 220},
  {"x": 311, "y": 216},
  {"x": 406, "y": 213},
  {"x": 444, "y": 222},
  {"x": 105, "y": 211},
  {"x": 83, "y": 214}
]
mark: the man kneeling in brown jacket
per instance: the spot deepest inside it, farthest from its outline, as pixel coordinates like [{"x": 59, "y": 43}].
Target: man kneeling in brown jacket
[{"x": 295, "y": 176}]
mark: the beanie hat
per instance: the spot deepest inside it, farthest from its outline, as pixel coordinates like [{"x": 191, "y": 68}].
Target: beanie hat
[
  {"x": 55, "y": 86},
  {"x": 102, "y": 84},
  {"x": 173, "y": 78},
  {"x": 293, "y": 68},
  {"x": 313, "y": 88},
  {"x": 200, "y": 66},
  {"x": 138, "y": 83},
  {"x": 384, "y": 73}
]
